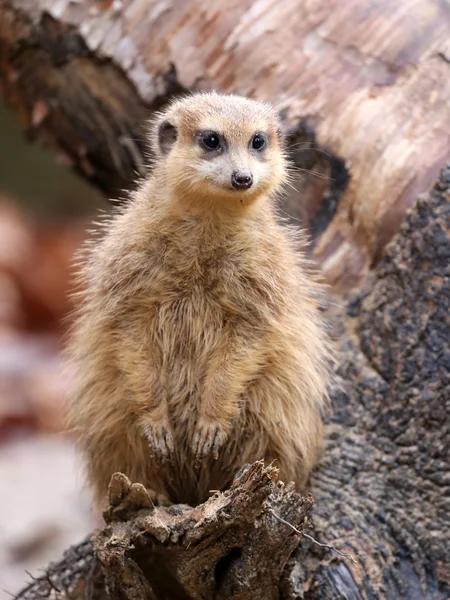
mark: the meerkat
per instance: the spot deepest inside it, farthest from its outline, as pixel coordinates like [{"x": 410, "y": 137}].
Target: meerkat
[{"x": 197, "y": 345}]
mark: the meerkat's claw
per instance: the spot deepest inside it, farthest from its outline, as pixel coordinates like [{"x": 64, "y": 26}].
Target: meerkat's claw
[
  {"x": 219, "y": 440},
  {"x": 208, "y": 440},
  {"x": 161, "y": 442}
]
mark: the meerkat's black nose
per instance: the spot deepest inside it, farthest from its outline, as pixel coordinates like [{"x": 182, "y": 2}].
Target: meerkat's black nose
[{"x": 241, "y": 181}]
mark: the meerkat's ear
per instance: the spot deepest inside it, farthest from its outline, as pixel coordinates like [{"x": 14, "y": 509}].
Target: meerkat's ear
[{"x": 165, "y": 136}]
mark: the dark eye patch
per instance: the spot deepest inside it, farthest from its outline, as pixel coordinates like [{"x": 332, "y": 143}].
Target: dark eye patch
[
  {"x": 211, "y": 141},
  {"x": 258, "y": 142}
]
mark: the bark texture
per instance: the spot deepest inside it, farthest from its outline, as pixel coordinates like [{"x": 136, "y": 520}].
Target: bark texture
[
  {"x": 384, "y": 487},
  {"x": 381, "y": 494},
  {"x": 368, "y": 82}
]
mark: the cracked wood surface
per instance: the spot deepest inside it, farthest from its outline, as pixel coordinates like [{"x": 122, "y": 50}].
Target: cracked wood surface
[{"x": 370, "y": 79}]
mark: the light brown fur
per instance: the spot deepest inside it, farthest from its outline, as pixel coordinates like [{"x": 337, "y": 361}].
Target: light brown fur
[{"x": 197, "y": 346}]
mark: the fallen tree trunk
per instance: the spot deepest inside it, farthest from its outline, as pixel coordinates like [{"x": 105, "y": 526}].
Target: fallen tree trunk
[
  {"x": 366, "y": 81},
  {"x": 381, "y": 494}
]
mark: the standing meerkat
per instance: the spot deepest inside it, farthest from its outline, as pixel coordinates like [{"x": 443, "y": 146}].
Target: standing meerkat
[{"x": 197, "y": 345}]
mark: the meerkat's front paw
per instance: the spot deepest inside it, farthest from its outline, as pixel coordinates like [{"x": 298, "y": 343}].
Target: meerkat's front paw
[
  {"x": 160, "y": 440},
  {"x": 209, "y": 437}
]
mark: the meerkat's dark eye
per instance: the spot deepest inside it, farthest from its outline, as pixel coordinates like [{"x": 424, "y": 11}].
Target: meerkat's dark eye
[
  {"x": 210, "y": 140},
  {"x": 258, "y": 142}
]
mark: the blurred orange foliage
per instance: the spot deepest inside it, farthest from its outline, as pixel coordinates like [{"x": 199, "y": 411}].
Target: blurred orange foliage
[{"x": 36, "y": 267}]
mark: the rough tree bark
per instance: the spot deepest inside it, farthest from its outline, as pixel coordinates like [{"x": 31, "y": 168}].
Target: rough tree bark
[
  {"x": 381, "y": 494},
  {"x": 368, "y": 81}
]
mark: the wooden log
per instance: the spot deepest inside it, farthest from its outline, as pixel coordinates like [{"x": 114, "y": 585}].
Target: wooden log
[
  {"x": 381, "y": 494},
  {"x": 369, "y": 80}
]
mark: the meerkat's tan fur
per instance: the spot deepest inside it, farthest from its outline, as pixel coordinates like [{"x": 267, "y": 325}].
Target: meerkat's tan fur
[{"x": 197, "y": 346}]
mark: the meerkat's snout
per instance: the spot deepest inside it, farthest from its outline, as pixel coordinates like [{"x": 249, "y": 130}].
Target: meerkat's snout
[{"x": 241, "y": 181}]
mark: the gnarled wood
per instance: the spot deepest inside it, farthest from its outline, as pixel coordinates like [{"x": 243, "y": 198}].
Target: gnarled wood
[
  {"x": 369, "y": 79},
  {"x": 230, "y": 547}
]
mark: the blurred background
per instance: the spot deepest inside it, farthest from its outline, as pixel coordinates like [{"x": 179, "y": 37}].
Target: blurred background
[{"x": 44, "y": 211}]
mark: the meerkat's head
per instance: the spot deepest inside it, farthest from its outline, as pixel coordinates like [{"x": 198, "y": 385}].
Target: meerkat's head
[{"x": 219, "y": 151}]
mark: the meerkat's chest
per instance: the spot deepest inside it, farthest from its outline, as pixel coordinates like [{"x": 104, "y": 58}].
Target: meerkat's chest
[
  {"x": 199, "y": 297},
  {"x": 194, "y": 290},
  {"x": 199, "y": 279},
  {"x": 197, "y": 305}
]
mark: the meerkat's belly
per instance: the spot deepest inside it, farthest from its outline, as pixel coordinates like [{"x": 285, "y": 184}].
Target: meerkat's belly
[{"x": 191, "y": 327}]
